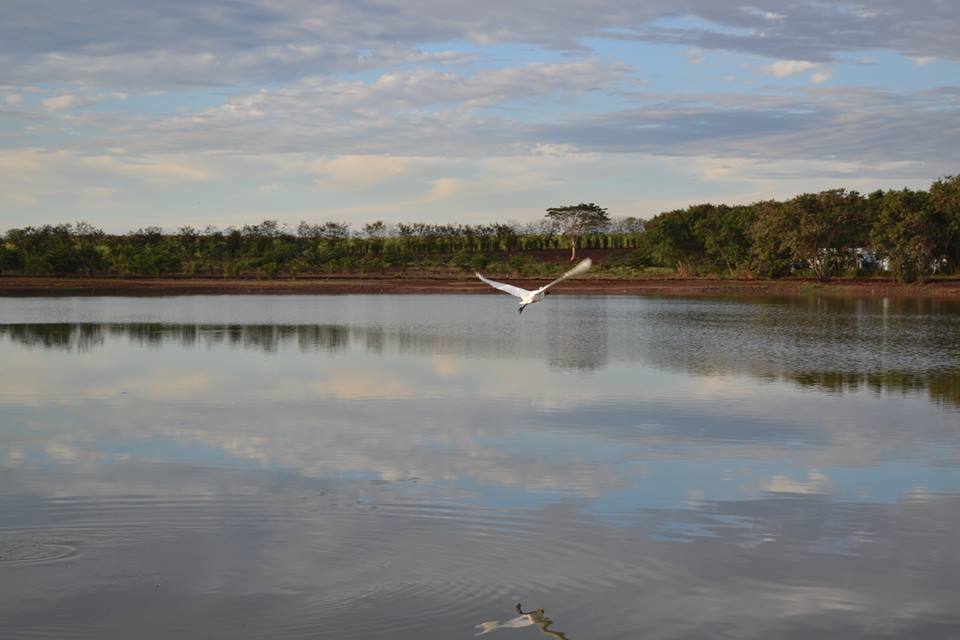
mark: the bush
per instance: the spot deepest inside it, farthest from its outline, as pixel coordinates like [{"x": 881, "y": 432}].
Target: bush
[
  {"x": 10, "y": 259},
  {"x": 479, "y": 261},
  {"x": 270, "y": 270},
  {"x": 63, "y": 261},
  {"x": 462, "y": 260}
]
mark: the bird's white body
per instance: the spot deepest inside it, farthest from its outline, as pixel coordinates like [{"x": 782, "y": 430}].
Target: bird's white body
[{"x": 530, "y": 297}]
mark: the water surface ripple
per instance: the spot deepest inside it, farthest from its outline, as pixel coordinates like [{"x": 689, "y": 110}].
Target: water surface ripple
[{"x": 413, "y": 466}]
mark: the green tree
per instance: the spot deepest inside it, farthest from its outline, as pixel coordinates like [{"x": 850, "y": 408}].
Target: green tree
[
  {"x": 11, "y": 259},
  {"x": 375, "y": 232},
  {"x": 823, "y": 229},
  {"x": 724, "y": 234},
  {"x": 673, "y": 241},
  {"x": 155, "y": 260},
  {"x": 89, "y": 260},
  {"x": 945, "y": 199},
  {"x": 63, "y": 260},
  {"x": 375, "y": 229},
  {"x": 770, "y": 257},
  {"x": 327, "y": 231},
  {"x": 576, "y": 220},
  {"x": 910, "y": 232}
]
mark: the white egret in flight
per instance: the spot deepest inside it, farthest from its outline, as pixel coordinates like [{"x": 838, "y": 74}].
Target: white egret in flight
[{"x": 529, "y": 297}]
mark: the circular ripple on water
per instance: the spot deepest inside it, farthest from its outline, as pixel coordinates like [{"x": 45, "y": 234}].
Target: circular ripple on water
[{"x": 20, "y": 550}]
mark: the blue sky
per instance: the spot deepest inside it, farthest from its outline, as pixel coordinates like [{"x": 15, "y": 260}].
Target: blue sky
[{"x": 129, "y": 114}]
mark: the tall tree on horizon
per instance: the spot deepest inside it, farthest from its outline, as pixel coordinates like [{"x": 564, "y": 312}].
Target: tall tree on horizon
[{"x": 576, "y": 220}]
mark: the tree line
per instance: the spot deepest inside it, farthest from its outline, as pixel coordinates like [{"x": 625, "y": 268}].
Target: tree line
[
  {"x": 907, "y": 234},
  {"x": 270, "y": 249},
  {"x": 910, "y": 234}
]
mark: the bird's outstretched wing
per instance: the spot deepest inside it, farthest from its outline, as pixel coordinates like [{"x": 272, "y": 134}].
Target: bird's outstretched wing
[
  {"x": 581, "y": 267},
  {"x": 509, "y": 288}
]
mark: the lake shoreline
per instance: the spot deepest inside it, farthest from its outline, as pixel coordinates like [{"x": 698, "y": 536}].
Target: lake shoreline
[{"x": 13, "y": 286}]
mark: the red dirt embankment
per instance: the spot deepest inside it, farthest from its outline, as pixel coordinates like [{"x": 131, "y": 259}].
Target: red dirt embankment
[{"x": 34, "y": 286}]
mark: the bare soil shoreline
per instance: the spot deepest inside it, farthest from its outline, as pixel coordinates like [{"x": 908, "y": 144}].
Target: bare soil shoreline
[{"x": 91, "y": 286}]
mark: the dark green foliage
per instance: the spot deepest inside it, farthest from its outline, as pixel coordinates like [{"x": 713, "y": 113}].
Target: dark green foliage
[
  {"x": 461, "y": 260},
  {"x": 673, "y": 239},
  {"x": 818, "y": 232},
  {"x": 724, "y": 232},
  {"x": 11, "y": 259},
  {"x": 155, "y": 259},
  {"x": 911, "y": 232},
  {"x": 822, "y": 229},
  {"x": 945, "y": 199},
  {"x": 770, "y": 257},
  {"x": 479, "y": 261}
]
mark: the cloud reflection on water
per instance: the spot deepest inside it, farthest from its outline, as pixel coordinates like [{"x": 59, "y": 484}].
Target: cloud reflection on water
[
  {"x": 675, "y": 468},
  {"x": 599, "y": 411}
]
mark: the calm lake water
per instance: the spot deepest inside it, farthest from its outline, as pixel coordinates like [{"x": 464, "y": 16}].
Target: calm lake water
[{"x": 413, "y": 466}]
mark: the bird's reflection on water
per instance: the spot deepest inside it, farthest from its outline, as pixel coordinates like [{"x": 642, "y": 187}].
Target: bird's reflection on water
[{"x": 526, "y": 619}]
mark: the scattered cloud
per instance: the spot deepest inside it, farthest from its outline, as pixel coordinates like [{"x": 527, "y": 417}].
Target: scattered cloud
[
  {"x": 268, "y": 42},
  {"x": 819, "y": 77},
  {"x": 784, "y": 68},
  {"x": 60, "y": 102},
  {"x": 157, "y": 169},
  {"x": 694, "y": 56},
  {"x": 446, "y": 188},
  {"x": 363, "y": 170},
  {"x": 398, "y": 103},
  {"x": 766, "y": 15},
  {"x": 71, "y": 101}
]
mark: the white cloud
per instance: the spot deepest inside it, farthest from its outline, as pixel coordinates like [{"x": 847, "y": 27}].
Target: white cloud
[
  {"x": 71, "y": 101},
  {"x": 31, "y": 176},
  {"x": 922, "y": 61},
  {"x": 819, "y": 77},
  {"x": 771, "y": 16},
  {"x": 364, "y": 170},
  {"x": 446, "y": 188},
  {"x": 59, "y": 102},
  {"x": 784, "y": 68},
  {"x": 694, "y": 56},
  {"x": 166, "y": 169},
  {"x": 13, "y": 99},
  {"x": 787, "y": 68}
]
